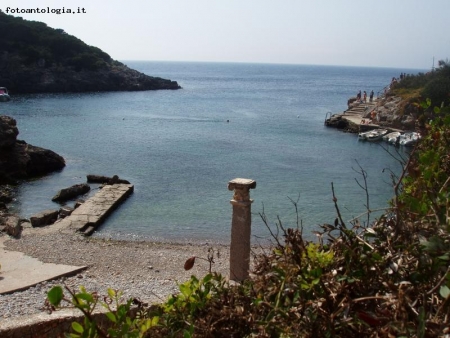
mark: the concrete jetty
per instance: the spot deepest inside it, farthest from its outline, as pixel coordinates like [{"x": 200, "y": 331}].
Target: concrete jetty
[
  {"x": 89, "y": 215},
  {"x": 353, "y": 116}
]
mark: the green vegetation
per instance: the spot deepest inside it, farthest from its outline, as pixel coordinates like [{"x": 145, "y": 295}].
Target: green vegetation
[
  {"x": 434, "y": 86},
  {"x": 34, "y": 43},
  {"x": 390, "y": 278}
]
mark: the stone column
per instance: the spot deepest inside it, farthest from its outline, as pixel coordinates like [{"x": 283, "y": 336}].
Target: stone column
[{"x": 240, "y": 228}]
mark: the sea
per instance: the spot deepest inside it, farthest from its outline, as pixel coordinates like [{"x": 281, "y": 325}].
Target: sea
[{"x": 180, "y": 148}]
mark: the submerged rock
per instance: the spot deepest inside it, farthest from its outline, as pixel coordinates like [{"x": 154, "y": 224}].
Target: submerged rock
[
  {"x": 71, "y": 192},
  {"x": 106, "y": 179}
]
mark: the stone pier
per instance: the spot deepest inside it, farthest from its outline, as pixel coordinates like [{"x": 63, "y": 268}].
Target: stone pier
[
  {"x": 240, "y": 228},
  {"x": 89, "y": 215}
]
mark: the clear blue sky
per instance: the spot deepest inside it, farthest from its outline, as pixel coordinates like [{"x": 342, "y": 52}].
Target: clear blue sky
[{"x": 383, "y": 33}]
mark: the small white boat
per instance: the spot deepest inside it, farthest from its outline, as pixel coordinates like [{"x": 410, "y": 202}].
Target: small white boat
[
  {"x": 376, "y": 135},
  {"x": 363, "y": 136},
  {"x": 392, "y": 137},
  {"x": 4, "y": 96},
  {"x": 409, "y": 139},
  {"x": 389, "y": 135},
  {"x": 372, "y": 135}
]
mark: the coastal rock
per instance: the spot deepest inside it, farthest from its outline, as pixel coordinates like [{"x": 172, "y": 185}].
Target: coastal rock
[
  {"x": 408, "y": 122},
  {"x": 65, "y": 211},
  {"x": 19, "y": 160},
  {"x": 336, "y": 121},
  {"x": 8, "y": 131},
  {"x": 105, "y": 179},
  {"x": 71, "y": 192},
  {"x": 12, "y": 226},
  {"x": 44, "y": 218},
  {"x": 78, "y": 203},
  {"x": 6, "y": 195}
]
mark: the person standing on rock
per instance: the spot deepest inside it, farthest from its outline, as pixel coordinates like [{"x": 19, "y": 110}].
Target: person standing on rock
[
  {"x": 365, "y": 97},
  {"x": 371, "y": 96}
]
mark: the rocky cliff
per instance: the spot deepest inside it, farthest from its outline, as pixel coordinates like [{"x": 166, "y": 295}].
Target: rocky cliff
[{"x": 19, "y": 160}]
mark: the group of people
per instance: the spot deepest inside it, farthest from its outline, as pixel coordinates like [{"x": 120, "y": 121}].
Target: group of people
[{"x": 364, "y": 99}]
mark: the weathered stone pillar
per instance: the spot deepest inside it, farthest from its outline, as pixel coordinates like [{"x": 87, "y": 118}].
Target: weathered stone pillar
[{"x": 240, "y": 228}]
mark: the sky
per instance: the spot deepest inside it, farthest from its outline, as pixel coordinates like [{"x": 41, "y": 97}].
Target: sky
[{"x": 384, "y": 33}]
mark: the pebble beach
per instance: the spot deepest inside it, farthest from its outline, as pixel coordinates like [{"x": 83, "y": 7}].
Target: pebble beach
[{"x": 144, "y": 270}]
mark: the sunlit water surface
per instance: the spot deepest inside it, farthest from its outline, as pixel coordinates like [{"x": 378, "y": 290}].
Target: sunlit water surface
[{"x": 179, "y": 151}]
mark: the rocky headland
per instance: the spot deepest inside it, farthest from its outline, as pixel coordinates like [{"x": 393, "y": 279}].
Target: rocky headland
[
  {"x": 35, "y": 58},
  {"x": 18, "y": 161},
  {"x": 38, "y": 78}
]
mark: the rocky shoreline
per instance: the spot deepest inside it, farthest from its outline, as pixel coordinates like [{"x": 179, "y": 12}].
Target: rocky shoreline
[
  {"x": 19, "y": 161},
  {"x": 115, "y": 77},
  {"x": 387, "y": 111}
]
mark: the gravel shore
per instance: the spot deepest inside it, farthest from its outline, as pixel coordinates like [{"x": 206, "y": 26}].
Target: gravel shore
[{"x": 144, "y": 270}]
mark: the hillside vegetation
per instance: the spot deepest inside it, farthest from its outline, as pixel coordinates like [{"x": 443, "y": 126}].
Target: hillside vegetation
[
  {"x": 33, "y": 42},
  {"x": 413, "y": 90},
  {"x": 388, "y": 278},
  {"x": 37, "y": 58}
]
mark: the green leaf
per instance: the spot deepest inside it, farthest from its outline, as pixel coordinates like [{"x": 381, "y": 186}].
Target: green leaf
[
  {"x": 111, "y": 293},
  {"x": 376, "y": 256},
  {"x": 155, "y": 321},
  {"x": 444, "y": 257},
  {"x": 424, "y": 105},
  {"x": 55, "y": 295},
  {"x": 74, "y": 335},
  {"x": 111, "y": 317},
  {"x": 444, "y": 291},
  {"x": 77, "y": 327},
  {"x": 207, "y": 278},
  {"x": 185, "y": 290},
  {"x": 85, "y": 296}
]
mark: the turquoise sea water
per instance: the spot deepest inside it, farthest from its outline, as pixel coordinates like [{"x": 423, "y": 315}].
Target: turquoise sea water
[{"x": 179, "y": 151}]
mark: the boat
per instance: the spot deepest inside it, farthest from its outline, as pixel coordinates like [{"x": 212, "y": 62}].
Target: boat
[
  {"x": 363, "y": 136},
  {"x": 376, "y": 135},
  {"x": 409, "y": 139},
  {"x": 372, "y": 135},
  {"x": 4, "y": 96},
  {"x": 392, "y": 137}
]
